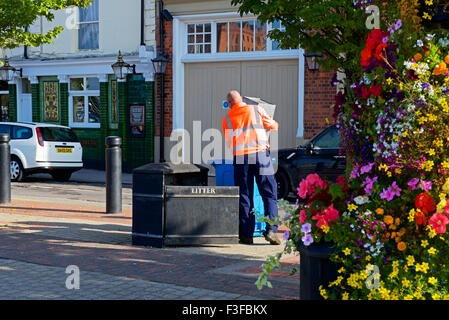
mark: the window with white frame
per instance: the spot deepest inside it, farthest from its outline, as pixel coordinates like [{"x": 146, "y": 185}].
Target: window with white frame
[
  {"x": 84, "y": 102},
  {"x": 88, "y": 33},
  {"x": 248, "y": 35}
]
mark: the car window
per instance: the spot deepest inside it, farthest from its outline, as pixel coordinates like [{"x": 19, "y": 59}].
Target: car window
[
  {"x": 330, "y": 139},
  {"x": 5, "y": 129},
  {"x": 58, "y": 134},
  {"x": 19, "y": 133}
]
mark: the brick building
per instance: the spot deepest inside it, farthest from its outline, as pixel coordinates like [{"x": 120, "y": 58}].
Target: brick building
[{"x": 212, "y": 50}]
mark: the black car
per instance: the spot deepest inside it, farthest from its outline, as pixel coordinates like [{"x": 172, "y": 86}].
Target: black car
[{"x": 321, "y": 155}]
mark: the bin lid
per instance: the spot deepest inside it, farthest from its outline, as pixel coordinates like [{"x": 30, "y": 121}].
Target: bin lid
[{"x": 170, "y": 168}]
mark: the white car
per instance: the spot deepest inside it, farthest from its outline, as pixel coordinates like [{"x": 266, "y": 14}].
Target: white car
[{"x": 42, "y": 147}]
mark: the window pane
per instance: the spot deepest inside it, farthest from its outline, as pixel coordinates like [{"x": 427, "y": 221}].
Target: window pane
[
  {"x": 199, "y": 48},
  {"x": 261, "y": 36},
  {"x": 90, "y": 13},
  {"x": 76, "y": 84},
  {"x": 248, "y": 36},
  {"x": 330, "y": 139},
  {"x": 191, "y": 28},
  {"x": 207, "y": 27},
  {"x": 207, "y": 38},
  {"x": 207, "y": 48},
  {"x": 94, "y": 109},
  {"x": 222, "y": 37},
  {"x": 78, "y": 109},
  {"x": 21, "y": 133},
  {"x": 191, "y": 49},
  {"x": 5, "y": 129},
  {"x": 191, "y": 39},
  {"x": 199, "y": 28},
  {"x": 93, "y": 83},
  {"x": 4, "y": 99},
  {"x": 26, "y": 85},
  {"x": 199, "y": 38},
  {"x": 58, "y": 134},
  {"x": 234, "y": 36},
  {"x": 88, "y": 36}
]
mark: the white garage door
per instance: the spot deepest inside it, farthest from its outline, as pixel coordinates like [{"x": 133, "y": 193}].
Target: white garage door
[{"x": 206, "y": 86}]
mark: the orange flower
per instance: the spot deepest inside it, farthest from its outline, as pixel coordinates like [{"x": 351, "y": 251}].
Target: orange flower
[
  {"x": 440, "y": 69},
  {"x": 397, "y": 221},
  {"x": 417, "y": 56},
  {"x": 388, "y": 219},
  {"x": 401, "y": 232},
  {"x": 397, "y": 239},
  {"x": 393, "y": 235},
  {"x": 446, "y": 59},
  {"x": 373, "y": 239},
  {"x": 402, "y": 246},
  {"x": 380, "y": 211}
]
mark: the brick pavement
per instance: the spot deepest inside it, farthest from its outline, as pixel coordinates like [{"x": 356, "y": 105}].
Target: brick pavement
[{"x": 35, "y": 234}]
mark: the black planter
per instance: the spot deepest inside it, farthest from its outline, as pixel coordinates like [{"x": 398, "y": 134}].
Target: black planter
[{"x": 315, "y": 269}]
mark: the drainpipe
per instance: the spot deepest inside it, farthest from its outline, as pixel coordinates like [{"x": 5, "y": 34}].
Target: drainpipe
[
  {"x": 25, "y": 48},
  {"x": 161, "y": 86},
  {"x": 142, "y": 22}
]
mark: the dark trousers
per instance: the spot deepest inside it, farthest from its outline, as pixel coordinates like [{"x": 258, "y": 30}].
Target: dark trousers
[{"x": 246, "y": 168}]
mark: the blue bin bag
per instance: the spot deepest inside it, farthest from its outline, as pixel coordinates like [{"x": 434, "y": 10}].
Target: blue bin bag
[{"x": 224, "y": 175}]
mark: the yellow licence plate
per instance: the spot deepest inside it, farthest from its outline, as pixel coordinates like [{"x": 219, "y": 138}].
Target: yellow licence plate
[{"x": 64, "y": 150}]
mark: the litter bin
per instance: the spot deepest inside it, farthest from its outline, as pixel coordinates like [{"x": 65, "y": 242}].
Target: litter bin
[
  {"x": 173, "y": 205},
  {"x": 224, "y": 175}
]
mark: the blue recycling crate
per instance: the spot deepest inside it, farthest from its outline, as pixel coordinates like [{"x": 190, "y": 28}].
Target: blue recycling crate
[{"x": 224, "y": 175}]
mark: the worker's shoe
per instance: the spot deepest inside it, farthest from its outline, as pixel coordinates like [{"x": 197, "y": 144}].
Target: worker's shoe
[
  {"x": 245, "y": 240},
  {"x": 271, "y": 237}
]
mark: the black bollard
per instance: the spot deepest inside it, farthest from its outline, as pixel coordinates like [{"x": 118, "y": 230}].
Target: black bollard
[
  {"x": 113, "y": 175},
  {"x": 5, "y": 169}
]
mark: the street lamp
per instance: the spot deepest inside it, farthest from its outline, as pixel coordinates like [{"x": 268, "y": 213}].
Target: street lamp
[
  {"x": 121, "y": 68},
  {"x": 7, "y": 71},
  {"x": 160, "y": 65},
  {"x": 312, "y": 61}
]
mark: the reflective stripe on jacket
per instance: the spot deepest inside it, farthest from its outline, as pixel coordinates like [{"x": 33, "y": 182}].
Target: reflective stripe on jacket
[{"x": 244, "y": 127}]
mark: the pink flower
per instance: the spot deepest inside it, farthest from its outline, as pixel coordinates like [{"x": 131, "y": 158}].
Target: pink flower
[
  {"x": 426, "y": 185},
  {"x": 331, "y": 213},
  {"x": 355, "y": 172},
  {"x": 309, "y": 185},
  {"x": 392, "y": 191},
  {"x": 367, "y": 168},
  {"x": 413, "y": 183},
  {"x": 368, "y": 183},
  {"x": 438, "y": 222},
  {"x": 302, "y": 216}
]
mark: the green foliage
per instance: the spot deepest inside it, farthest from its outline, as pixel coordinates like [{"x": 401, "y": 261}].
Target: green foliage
[
  {"x": 16, "y": 15},
  {"x": 332, "y": 27}
]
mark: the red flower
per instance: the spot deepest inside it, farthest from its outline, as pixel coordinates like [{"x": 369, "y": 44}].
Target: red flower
[
  {"x": 365, "y": 92},
  {"x": 375, "y": 90},
  {"x": 322, "y": 220},
  {"x": 420, "y": 218},
  {"x": 438, "y": 222},
  {"x": 331, "y": 213},
  {"x": 425, "y": 203},
  {"x": 374, "y": 47}
]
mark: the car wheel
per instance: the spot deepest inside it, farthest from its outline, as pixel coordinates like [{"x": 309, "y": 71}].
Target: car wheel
[
  {"x": 282, "y": 185},
  {"x": 16, "y": 170},
  {"x": 62, "y": 175}
]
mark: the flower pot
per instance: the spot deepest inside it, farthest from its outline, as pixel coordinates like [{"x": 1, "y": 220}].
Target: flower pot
[{"x": 315, "y": 269}]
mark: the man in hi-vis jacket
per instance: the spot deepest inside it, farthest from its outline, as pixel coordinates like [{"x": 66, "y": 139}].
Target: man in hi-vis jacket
[{"x": 245, "y": 132}]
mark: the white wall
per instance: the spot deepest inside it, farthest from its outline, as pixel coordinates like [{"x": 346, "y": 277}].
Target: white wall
[{"x": 119, "y": 30}]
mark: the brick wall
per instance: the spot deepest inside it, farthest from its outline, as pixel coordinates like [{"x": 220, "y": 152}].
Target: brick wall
[
  {"x": 319, "y": 95},
  {"x": 168, "y": 82}
]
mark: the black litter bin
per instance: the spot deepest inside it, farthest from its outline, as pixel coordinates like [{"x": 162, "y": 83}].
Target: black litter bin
[{"x": 173, "y": 205}]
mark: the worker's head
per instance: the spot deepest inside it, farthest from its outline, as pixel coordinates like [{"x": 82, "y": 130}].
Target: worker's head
[{"x": 233, "y": 98}]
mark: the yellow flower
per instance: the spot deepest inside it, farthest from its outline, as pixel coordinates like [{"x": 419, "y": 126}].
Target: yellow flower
[
  {"x": 368, "y": 258},
  {"x": 341, "y": 270},
  {"x": 432, "y": 250},
  {"x": 423, "y": 267},
  {"x": 323, "y": 292},
  {"x": 436, "y": 296},
  {"x": 325, "y": 228},
  {"x": 411, "y": 215},
  {"x": 404, "y": 134},
  {"x": 438, "y": 143},
  {"x": 345, "y": 296},
  {"x": 383, "y": 167},
  {"x": 389, "y": 173},
  {"x": 352, "y": 207},
  {"x": 347, "y": 251},
  {"x": 424, "y": 243},
  {"x": 433, "y": 280},
  {"x": 445, "y": 164},
  {"x": 429, "y": 2},
  {"x": 410, "y": 261},
  {"x": 389, "y": 81},
  {"x": 431, "y": 152},
  {"x": 442, "y": 196},
  {"x": 406, "y": 283},
  {"x": 408, "y": 297}
]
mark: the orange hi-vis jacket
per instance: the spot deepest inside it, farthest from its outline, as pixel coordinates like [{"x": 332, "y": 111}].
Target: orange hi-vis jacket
[{"x": 244, "y": 128}]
